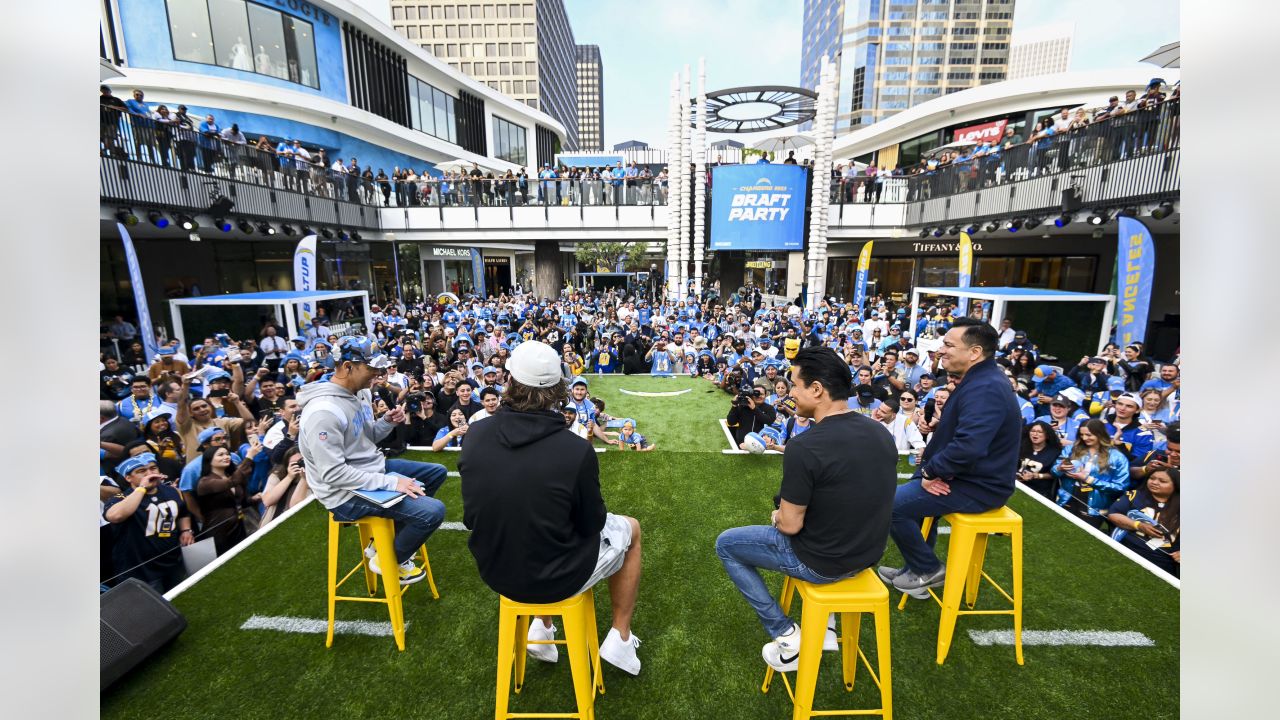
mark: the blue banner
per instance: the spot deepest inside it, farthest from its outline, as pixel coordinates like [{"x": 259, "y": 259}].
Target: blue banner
[
  {"x": 860, "y": 283},
  {"x": 760, "y": 206},
  {"x": 1136, "y": 265},
  {"x": 477, "y": 271},
  {"x": 145, "y": 332}
]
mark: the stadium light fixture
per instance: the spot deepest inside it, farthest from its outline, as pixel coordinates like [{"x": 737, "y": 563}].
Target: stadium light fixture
[
  {"x": 924, "y": 232},
  {"x": 971, "y": 228},
  {"x": 288, "y": 229},
  {"x": 222, "y": 224},
  {"x": 1164, "y": 210},
  {"x": 355, "y": 236},
  {"x": 1032, "y": 223},
  {"x": 125, "y": 216},
  {"x": 993, "y": 226},
  {"x": 953, "y": 230},
  {"x": 1064, "y": 219},
  {"x": 1099, "y": 217},
  {"x": 307, "y": 231},
  {"x": 158, "y": 219},
  {"x": 327, "y": 233},
  {"x": 266, "y": 229},
  {"x": 1130, "y": 212},
  {"x": 343, "y": 236},
  {"x": 245, "y": 227},
  {"x": 1013, "y": 225},
  {"x": 187, "y": 222}
]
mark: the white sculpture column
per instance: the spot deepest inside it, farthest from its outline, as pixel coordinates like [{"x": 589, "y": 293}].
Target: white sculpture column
[
  {"x": 686, "y": 186},
  {"x": 673, "y": 188},
  {"x": 824, "y": 129},
  {"x": 700, "y": 177}
]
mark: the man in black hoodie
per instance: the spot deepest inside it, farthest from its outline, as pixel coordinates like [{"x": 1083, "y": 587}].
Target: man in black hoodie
[{"x": 540, "y": 532}]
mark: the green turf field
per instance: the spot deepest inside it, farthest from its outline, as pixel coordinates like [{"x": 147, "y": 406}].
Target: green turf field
[{"x": 701, "y": 642}]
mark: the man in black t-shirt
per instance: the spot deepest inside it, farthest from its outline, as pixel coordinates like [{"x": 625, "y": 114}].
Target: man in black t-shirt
[
  {"x": 149, "y": 524},
  {"x": 834, "y": 509}
]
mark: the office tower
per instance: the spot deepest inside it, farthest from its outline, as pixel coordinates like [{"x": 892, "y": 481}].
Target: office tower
[
  {"x": 895, "y": 55},
  {"x": 1041, "y": 50},
  {"x": 590, "y": 98},
  {"x": 522, "y": 49}
]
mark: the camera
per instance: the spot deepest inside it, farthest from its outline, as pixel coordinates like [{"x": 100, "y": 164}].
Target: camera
[
  {"x": 413, "y": 402},
  {"x": 1160, "y": 456},
  {"x": 742, "y": 398}
]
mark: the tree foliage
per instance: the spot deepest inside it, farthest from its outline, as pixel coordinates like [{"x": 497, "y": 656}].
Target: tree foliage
[{"x": 605, "y": 256}]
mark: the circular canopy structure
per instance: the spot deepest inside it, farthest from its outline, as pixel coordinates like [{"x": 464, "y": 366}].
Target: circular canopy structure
[{"x": 760, "y": 107}]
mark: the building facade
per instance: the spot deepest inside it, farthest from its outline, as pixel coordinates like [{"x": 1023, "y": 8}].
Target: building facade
[
  {"x": 590, "y": 99},
  {"x": 894, "y": 55},
  {"x": 329, "y": 74},
  {"x": 522, "y": 49},
  {"x": 1041, "y": 51}
]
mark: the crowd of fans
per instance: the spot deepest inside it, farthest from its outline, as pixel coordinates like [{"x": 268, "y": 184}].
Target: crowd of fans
[
  {"x": 216, "y": 422},
  {"x": 137, "y": 130}
]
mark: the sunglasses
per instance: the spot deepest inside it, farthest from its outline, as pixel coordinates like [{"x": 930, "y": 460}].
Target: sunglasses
[{"x": 907, "y": 399}]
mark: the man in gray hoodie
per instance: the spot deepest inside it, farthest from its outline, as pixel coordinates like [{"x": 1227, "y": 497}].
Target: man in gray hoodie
[{"x": 339, "y": 436}]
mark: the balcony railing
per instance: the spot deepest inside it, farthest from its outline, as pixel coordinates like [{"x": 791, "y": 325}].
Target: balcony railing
[{"x": 1130, "y": 159}]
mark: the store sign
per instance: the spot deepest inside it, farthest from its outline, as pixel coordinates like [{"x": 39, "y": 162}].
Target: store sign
[
  {"x": 948, "y": 247},
  {"x": 306, "y": 10},
  {"x": 759, "y": 264},
  {"x": 449, "y": 252},
  {"x": 497, "y": 261},
  {"x": 986, "y": 132}
]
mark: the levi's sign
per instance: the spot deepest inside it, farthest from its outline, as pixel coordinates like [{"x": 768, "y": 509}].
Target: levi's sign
[
  {"x": 759, "y": 206},
  {"x": 986, "y": 132}
]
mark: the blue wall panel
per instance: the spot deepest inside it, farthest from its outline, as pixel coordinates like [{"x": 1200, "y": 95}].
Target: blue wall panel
[{"x": 147, "y": 41}]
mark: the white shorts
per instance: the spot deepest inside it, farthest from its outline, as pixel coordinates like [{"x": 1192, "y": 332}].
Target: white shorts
[{"x": 615, "y": 540}]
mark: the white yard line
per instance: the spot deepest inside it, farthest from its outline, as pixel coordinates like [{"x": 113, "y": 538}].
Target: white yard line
[
  {"x": 640, "y": 393},
  {"x": 1101, "y": 638},
  {"x": 1105, "y": 538},
  {"x": 452, "y": 526},
  {"x": 318, "y": 627}
]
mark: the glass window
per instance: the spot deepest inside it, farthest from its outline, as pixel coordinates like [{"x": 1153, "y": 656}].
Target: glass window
[
  {"x": 231, "y": 34},
  {"x": 449, "y": 13},
  {"x": 509, "y": 141},
  {"x": 426, "y": 109},
  {"x": 300, "y": 44},
  {"x": 450, "y": 31},
  {"x": 488, "y": 12},
  {"x": 492, "y": 68},
  {"x": 504, "y": 68},
  {"x": 189, "y": 29},
  {"x": 504, "y": 50},
  {"x": 415, "y": 119},
  {"x": 504, "y": 31},
  {"x": 397, "y": 13},
  {"x": 452, "y": 50},
  {"x": 439, "y": 108},
  {"x": 412, "y": 32},
  {"x": 515, "y": 11},
  {"x": 464, "y": 31},
  {"x": 464, "y": 12},
  {"x": 490, "y": 49},
  {"x": 517, "y": 49},
  {"x": 269, "y": 56}
]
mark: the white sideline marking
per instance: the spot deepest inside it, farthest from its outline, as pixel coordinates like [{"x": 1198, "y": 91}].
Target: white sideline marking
[
  {"x": 315, "y": 627},
  {"x": 1103, "y": 638},
  {"x": 452, "y": 526},
  {"x": 427, "y": 448},
  {"x": 454, "y": 473},
  {"x": 640, "y": 393},
  {"x": 1103, "y": 537},
  {"x": 904, "y": 476}
]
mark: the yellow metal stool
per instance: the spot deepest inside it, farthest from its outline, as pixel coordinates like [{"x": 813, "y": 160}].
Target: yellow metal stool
[
  {"x": 850, "y": 597},
  {"x": 581, "y": 642},
  {"x": 965, "y": 554},
  {"x": 382, "y": 531}
]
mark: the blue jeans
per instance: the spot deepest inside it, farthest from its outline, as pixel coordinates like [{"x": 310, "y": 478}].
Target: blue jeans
[
  {"x": 415, "y": 518},
  {"x": 911, "y": 505},
  {"x": 744, "y": 549}
]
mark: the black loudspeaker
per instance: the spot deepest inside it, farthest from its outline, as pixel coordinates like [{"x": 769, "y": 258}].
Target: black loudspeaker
[
  {"x": 134, "y": 622},
  {"x": 1071, "y": 201}
]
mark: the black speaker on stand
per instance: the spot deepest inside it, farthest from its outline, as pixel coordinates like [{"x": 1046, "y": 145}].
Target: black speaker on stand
[{"x": 134, "y": 622}]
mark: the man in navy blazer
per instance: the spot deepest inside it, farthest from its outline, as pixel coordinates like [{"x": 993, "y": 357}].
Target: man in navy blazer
[{"x": 968, "y": 465}]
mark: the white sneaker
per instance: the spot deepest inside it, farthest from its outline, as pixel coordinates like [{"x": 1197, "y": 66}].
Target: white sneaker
[
  {"x": 409, "y": 573},
  {"x": 372, "y": 553},
  {"x": 783, "y": 654},
  {"x": 538, "y": 631},
  {"x": 621, "y": 653},
  {"x": 830, "y": 643}
]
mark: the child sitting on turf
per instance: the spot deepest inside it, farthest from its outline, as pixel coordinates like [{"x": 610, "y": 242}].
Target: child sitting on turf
[{"x": 629, "y": 439}]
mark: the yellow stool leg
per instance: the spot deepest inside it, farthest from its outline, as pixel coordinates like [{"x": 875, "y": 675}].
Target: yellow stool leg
[
  {"x": 784, "y": 601},
  {"x": 959, "y": 553},
  {"x": 431, "y": 581},
  {"x": 973, "y": 581},
  {"x": 593, "y": 639},
  {"x": 334, "y": 529},
  {"x": 506, "y": 654},
  {"x": 575, "y": 635},
  {"x": 884, "y": 660},
  {"x": 813, "y": 629},
  {"x": 384, "y": 544},
  {"x": 370, "y": 577},
  {"x": 1017, "y": 591},
  {"x": 850, "y": 629},
  {"x": 521, "y": 648}
]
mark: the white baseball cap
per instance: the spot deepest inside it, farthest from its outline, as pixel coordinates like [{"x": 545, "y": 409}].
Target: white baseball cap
[{"x": 534, "y": 364}]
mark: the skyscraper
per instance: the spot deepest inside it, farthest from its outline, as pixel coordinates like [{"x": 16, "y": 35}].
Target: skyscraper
[
  {"x": 523, "y": 49},
  {"x": 893, "y": 55},
  {"x": 590, "y": 98},
  {"x": 1041, "y": 50}
]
